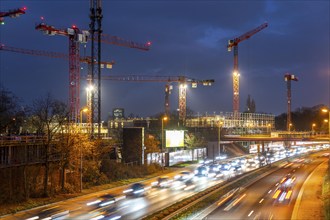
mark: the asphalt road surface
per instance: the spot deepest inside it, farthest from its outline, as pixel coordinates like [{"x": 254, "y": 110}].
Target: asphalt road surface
[{"x": 261, "y": 199}]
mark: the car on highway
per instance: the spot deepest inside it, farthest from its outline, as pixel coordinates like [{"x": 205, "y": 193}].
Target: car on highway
[
  {"x": 106, "y": 200},
  {"x": 184, "y": 176},
  {"x": 227, "y": 169},
  {"x": 238, "y": 169},
  {"x": 283, "y": 192},
  {"x": 162, "y": 182},
  {"x": 55, "y": 212},
  {"x": 136, "y": 190},
  {"x": 283, "y": 195},
  {"x": 252, "y": 165},
  {"x": 214, "y": 169},
  {"x": 201, "y": 171}
]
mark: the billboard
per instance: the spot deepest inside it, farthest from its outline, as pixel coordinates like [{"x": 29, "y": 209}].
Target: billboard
[{"x": 174, "y": 138}]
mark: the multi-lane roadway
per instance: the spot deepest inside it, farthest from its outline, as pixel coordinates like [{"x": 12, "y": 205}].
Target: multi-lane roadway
[
  {"x": 272, "y": 197},
  {"x": 256, "y": 201}
]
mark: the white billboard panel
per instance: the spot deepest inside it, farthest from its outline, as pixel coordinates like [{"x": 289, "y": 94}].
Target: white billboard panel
[{"x": 174, "y": 138}]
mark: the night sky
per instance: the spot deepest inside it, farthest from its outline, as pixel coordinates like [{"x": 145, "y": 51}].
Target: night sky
[{"x": 188, "y": 38}]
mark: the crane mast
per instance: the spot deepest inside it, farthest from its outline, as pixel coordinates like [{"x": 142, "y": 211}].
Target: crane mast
[
  {"x": 288, "y": 78},
  {"x": 234, "y": 44},
  {"x": 95, "y": 30},
  {"x": 75, "y": 38},
  {"x": 182, "y": 80},
  {"x": 96, "y": 35}
]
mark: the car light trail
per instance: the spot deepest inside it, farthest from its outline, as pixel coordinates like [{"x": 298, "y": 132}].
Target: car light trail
[
  {"x": 235, "y": 202},
  {"x": 276, "y": 194},
  {"x": 288, "y": 195}
]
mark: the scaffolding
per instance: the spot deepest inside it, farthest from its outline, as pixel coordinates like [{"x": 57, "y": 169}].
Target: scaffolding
[{"x": 245, "y": 123}]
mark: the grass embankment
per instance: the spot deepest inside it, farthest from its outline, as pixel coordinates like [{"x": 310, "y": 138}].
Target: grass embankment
[{"x": 326, "y": 194}]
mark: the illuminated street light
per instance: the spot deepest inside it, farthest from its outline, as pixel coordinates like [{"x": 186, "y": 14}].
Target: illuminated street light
[
  {"x": 85, "y": 109},
  {"x": 290, "y": 125},
  {"x": 326, "y": 110},
  {"x": 313, "y": 128}
]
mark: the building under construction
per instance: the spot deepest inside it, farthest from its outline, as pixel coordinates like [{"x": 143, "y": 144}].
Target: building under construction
[{"x": 245, "y": 123}]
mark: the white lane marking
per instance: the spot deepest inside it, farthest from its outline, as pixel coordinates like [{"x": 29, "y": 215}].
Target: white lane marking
[
  {"x": 269, "y": 191},
  {"x": 261, "y": 200}
]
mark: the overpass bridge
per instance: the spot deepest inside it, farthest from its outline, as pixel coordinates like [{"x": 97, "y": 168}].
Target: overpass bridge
[{"x": 30, "y": 150}]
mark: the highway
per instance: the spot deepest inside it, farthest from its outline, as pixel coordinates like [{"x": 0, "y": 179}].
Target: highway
[
  {"x": 125, "y": 207},
  {"x": 255, "y": 202},
  {"x": 258, "y": 201}
]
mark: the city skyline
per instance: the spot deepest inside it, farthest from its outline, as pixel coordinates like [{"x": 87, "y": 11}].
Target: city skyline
[{"x": 188, "y": 38}]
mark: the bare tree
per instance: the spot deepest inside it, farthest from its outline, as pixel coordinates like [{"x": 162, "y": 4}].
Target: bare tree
[{"x": 49, "y": 115}]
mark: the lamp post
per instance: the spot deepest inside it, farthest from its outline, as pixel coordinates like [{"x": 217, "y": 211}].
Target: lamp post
[
  {"x": 162, "y": 137},
  {"x": 85, "y": 109},
  {"x": 313, "y": 128},
  {"x": 327, "y": 111}
]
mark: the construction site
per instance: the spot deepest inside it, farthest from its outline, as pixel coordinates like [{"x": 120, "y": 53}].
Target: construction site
[{"x": 235, "y": 122}]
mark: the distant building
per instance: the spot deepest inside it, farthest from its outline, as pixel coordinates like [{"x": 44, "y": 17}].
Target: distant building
[{"x": 242, "y": 123}]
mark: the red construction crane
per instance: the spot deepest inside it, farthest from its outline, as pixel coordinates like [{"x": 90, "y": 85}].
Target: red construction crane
[
  {"x": 76, "y": 37},
  {"x": 288, "y": 78},
  {"x": 12, "y": 14},
  {"x": 86, "y": 59},
  {"x": 182, "y": 80},
  {"x": 234, "y": 44}
]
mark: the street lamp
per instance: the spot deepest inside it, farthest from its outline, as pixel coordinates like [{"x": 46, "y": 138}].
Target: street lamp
[
  {"x": 85, "y": 109},
  {"x": 162, "y": 137},
  {"x": 313, "y": 128},
  {"x": 290, "y": 125},
  {"x": 325, "y": 110}
]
